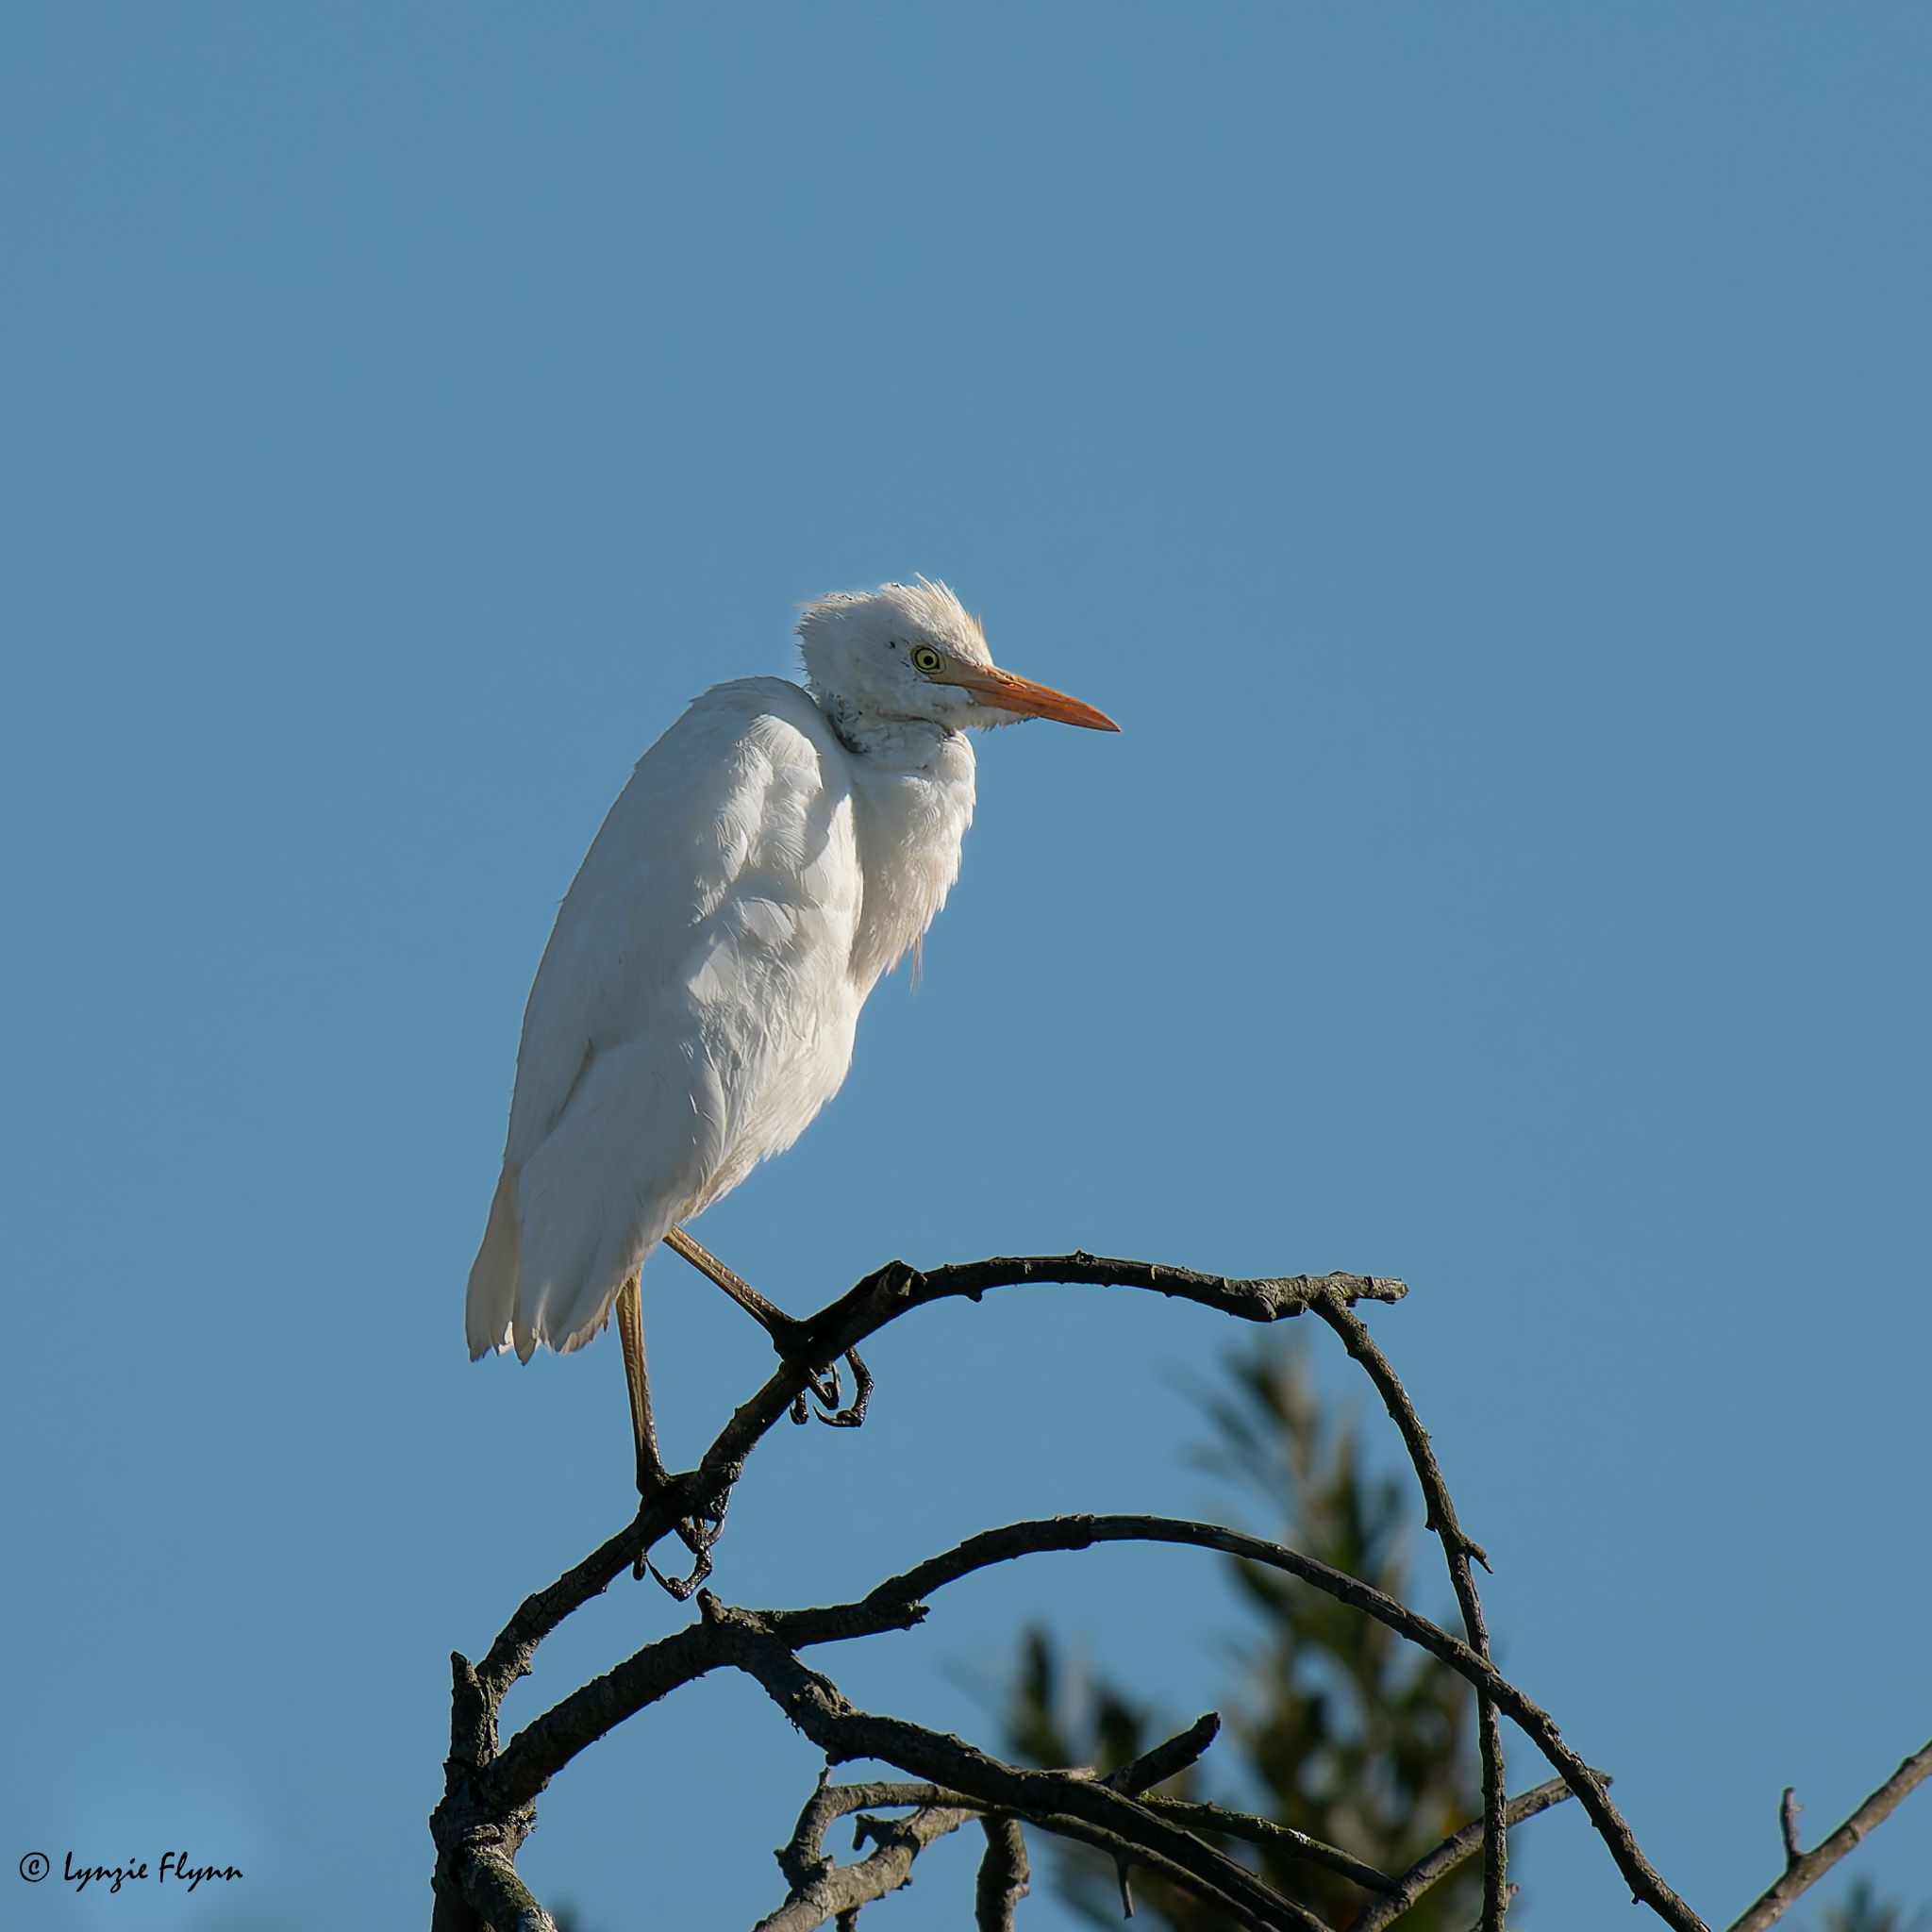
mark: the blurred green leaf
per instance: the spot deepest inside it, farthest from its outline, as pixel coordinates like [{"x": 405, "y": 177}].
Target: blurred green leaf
[{"x": 1862, "y": 1911}]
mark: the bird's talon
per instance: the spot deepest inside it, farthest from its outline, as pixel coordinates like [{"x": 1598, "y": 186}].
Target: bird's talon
[
  {"x": 680, "y": 1588},
  {"x": 697, "y": 1523},
  {"x": 852, "y": 1417},
  {"x": 821, "y": 1385}
]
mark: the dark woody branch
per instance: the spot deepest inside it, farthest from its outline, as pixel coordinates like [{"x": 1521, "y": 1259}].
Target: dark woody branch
[
  {"x": 818, "y": 1887},
  {"x": 1454, "y": 1851},
  {"x": 551, "y": 1741},
  {"x": 1802, "y": 1870},
  {"x": 1457, "y": 1549},
  {"x": 881, "y": 1297},
  {"x": 488, "y": 1804}
]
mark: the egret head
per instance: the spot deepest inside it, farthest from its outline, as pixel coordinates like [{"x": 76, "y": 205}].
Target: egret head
[{"x": 913, "y": 652}]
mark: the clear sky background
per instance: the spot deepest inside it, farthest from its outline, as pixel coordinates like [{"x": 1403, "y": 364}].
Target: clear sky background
[{"x": 1480, "y": 456}]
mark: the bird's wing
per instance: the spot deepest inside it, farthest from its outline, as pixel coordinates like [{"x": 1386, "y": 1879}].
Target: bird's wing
[
  {"x": 717, "y": 797},
  {"x": 682, "y": 972}
]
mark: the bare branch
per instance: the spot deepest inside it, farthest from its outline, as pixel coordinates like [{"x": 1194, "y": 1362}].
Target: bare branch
[
  {"x": 818, "y": 1889},
  {"x": 1457, "y": 1549},
  {"x": 1456, "y": 1849},
  {"x": 548, "y": 1742},
  {"x": 1440, "y": 1519},
  {"x": 540, "y": 1612},
  {"x": 1167, "y": 1759},
  {"x": 502, "y": 1899},
  {"x": 830, "y": 1802},
  {"x": 806, "y": 1867},
  {"x": 1081, "y": 1532},
  {"x": 896, "y": 1289},
  {"x": 1787, "y": 1810},
  {"x": 1155, "y": 1767},
  {"x": 487, "y": 1810},
  {"x": 1003, "y": 1875},
  {"x": 868, "y": 1306},
  {"x": 1264, "y": 1831},
  {"x": 1802, "y": 1870},
  {"x": 823, "y": 1890},
  {"x": 1080, "y": 1807}
]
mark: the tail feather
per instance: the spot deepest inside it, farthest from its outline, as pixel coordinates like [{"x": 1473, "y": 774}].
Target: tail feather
[{"x": 494, "y": 1274}]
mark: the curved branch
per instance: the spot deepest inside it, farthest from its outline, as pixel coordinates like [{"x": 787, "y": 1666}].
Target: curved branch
[
  {"x": 486, "y": 1808},
  {"x": 897, "y": 1289},
  {"x": 549, "y": 1742},
  {"x": 822, "y": 1889},
  {"x": 1081, "y": 1532},
  {"x": 863, "y": 1310},
  {"x": 1457, "y": 1549}
]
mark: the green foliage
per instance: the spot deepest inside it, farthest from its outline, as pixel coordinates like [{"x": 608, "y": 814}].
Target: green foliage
[
  {"x": 1862, "y": 1911},
  {"x": 1335, "y": 1726}
]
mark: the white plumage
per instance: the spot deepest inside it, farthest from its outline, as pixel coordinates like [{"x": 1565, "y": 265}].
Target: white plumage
[{"x": 774, "y": 853}]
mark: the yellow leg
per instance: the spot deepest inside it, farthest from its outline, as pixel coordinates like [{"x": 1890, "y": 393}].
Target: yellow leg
[
  {"x": 787, "y": 1336},
  {"x": 652, "y": 1475},
  {"x": 772, "y": 1318}
]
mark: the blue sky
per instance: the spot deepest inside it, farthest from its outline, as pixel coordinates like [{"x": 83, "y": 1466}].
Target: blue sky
[{"x": 1480, "y": 457}]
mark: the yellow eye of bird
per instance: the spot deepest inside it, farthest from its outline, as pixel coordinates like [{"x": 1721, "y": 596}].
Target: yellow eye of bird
[{"x": 925, "y": 659}]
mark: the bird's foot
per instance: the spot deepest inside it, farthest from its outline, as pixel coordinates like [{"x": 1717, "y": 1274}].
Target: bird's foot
[
  {"x": 680, "y": 1588},
  {"x": 792, "y": 1340},
  {"x": 698, "y": 1523},
  {"x": 851, "y": 1416}
]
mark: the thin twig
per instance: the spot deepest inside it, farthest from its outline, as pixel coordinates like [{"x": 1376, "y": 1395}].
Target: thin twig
[
  {"x": 1084, "y": 1808},
  {"x": 1807, "y": 1868},
  {"x": 1142, "y": 1774},
  {"x": 1167, "y": 1759},
  {"x": 1787, "y": 1810},
  {"x": 1458, "y": 1547},
  {"x": 1456, "y": 1850},
  {"x": 1285, "y": 1839},
  {"x": 818, "y": 1887}
]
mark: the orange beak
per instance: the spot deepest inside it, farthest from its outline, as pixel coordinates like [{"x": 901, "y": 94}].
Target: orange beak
[{"x": 1001, "y": 688}]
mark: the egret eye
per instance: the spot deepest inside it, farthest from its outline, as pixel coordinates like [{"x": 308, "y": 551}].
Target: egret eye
[{"x": 925, "y": 659}]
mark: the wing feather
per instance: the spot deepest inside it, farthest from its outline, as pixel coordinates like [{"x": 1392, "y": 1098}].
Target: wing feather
[{"x": 693, "y": 1007}]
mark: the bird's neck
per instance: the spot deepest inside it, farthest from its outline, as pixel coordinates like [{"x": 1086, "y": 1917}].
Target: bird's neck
[
  {"x": 887, "y": 744},
  {"x": 912, "y": 794}
]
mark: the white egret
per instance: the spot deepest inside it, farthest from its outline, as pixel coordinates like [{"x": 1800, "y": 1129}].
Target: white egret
[{"x": 775, "y": 852}]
